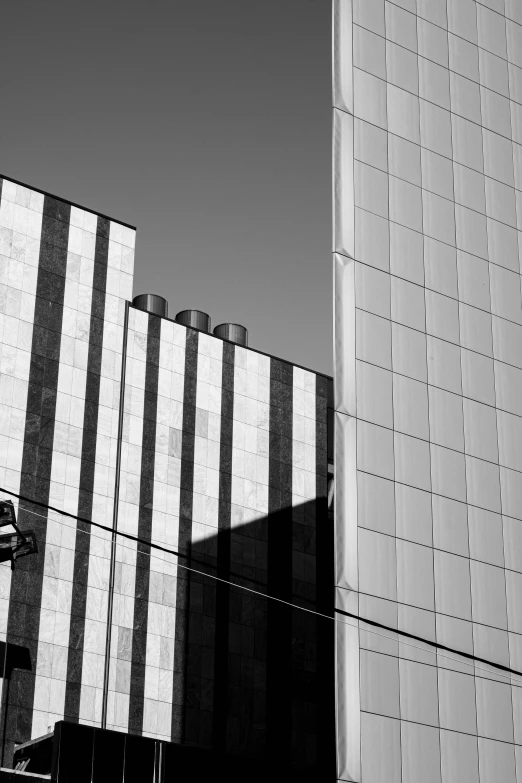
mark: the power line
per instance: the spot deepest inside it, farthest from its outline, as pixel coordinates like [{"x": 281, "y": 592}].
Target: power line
[
  {"x": 373, "y": 623},
  {"x": 351, "y": 615}
]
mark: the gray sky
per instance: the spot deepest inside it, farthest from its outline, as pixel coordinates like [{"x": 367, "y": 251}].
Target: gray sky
[{"x": 205, "y": 123}]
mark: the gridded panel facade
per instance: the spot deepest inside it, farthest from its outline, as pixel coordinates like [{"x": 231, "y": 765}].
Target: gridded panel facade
[
  {"x": 65, "y": 276},
  {"x": 428, "y": 353}
]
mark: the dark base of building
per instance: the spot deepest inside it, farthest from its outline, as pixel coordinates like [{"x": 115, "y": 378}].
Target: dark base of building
[{"x": 82, "y": 754}]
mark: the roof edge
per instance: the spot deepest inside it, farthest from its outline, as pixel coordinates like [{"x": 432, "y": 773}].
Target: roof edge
[{"x": 66, "y": 201}]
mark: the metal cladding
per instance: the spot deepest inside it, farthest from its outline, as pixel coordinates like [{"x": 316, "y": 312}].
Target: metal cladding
[
  {"x": 195, "y": 318},
  {"x": 428, "y": 373},
  {"x": 152, "y": 303},
  {"x": 233, "y": 332}
]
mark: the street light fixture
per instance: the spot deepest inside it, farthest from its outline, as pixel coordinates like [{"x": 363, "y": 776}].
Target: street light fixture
[
  {"x": 17, "y": 544},
  {"x": 12, "y": 546}
]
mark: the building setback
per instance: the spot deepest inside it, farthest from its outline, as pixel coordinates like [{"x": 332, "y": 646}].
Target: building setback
[
  {"x": 428, "y": 386},
  {"x": 177, "y": 437}
]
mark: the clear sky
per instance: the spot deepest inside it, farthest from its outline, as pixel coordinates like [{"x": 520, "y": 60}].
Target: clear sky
[{"x": 205, "y": 123}]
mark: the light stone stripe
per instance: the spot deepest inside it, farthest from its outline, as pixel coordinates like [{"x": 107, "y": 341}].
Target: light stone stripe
[
  {"x": 55, "y": 614},
  {"x": 250, "y": 439},
  {"x": 207, "y": 438},
  {"x": 303, "y": 437},
  {"x": 20, "y": 233},
  {"x": 128, "y": 514},
  {"x": 157, "y": 708},
  {"x": 120, "y": 266}
]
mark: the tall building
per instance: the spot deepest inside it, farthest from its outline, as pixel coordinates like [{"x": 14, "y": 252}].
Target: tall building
[
  {"x": 428, "y": 387},
  {"x": 170, "y": 435}
]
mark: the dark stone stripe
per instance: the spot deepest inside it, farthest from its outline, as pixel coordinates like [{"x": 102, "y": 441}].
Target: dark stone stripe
[
  {"x": 87, "y": 468},
  {"x": 221, "y": 678},
  {"x": 279, "y": 578},
  {"x": 179, "y": 689},
  {"x": 325, "y": 589},
  {"x": 26, "y": 586},
  {"x": 141, "y": 587},
  {"x": 1, "y": 184},
  {"x": 115, "y": 512}
]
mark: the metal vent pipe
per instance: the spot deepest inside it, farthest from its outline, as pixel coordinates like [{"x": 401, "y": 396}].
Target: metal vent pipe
[
  {"x": 152, "y": 303},
  {"x": 195, "y": 318},
  {"x": 235, "y": 333}
]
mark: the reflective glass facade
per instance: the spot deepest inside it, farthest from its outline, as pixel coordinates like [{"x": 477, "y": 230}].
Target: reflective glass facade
[{"x": 428, "y": 386}]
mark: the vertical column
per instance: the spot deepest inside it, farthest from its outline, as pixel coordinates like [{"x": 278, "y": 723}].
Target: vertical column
[{"x": 346, "y": 538}]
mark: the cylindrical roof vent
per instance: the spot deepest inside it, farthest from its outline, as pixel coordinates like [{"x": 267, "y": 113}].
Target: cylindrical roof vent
[
  {"x": 195, "y": 318},
  {"x": 233, "y": 332},
  {"x": 152, "y": 303}
]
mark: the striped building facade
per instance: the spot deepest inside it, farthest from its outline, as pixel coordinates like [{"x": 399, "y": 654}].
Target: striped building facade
[{"x": 175, "y": 437}]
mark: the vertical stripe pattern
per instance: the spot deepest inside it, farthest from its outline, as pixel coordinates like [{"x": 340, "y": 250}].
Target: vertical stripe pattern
[
  {"x": 27, "y": 582},
  {"x": 70, "y": 297},
  {"x": 57, "y": 581},
  {"x": 222, "y": 458}
]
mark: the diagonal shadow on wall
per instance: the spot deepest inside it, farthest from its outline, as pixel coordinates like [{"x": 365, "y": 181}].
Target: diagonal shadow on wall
[
  {"x": 259, "y": 675},
  {"x": 256, "y": 676}
]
